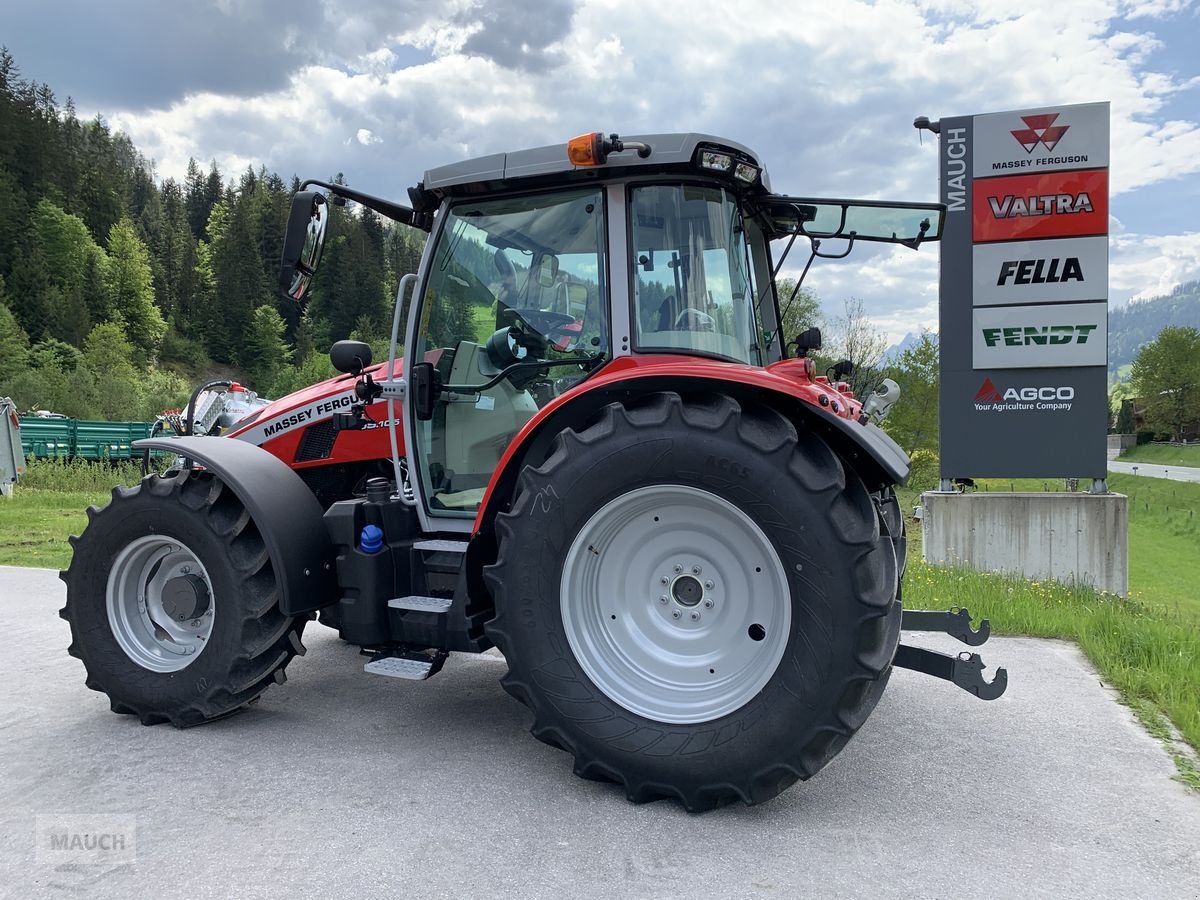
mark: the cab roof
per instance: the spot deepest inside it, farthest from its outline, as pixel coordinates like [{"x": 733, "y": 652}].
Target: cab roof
[{"x": 668, "y": 151}]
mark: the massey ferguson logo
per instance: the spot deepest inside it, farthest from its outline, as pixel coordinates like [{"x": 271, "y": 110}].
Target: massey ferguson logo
[
  {"x": 990, "y": 398},
  {"x": 1040, "y": 271},
  {"x": 1011, "y": 207},
  {"x": 1040, "y": 130}
]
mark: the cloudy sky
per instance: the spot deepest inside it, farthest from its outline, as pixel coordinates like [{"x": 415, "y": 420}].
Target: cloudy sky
[{"x": 825, "y": 92}]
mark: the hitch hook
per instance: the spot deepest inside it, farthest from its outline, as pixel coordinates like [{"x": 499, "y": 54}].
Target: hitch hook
[
  {"x": 956, "y": 623},
  {"x": 964, "y": 670}
]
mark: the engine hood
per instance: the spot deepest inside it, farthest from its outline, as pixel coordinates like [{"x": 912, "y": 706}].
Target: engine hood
[{"x": 305, "y": 407}]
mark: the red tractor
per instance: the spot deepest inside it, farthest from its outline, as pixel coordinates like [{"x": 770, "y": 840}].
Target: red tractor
[{"x": 598, "y": 454}]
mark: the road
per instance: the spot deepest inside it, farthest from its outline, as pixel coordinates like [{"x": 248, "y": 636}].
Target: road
[
  {"x": 341, "y": 784},
  {"x": 1153, "y": 470}
]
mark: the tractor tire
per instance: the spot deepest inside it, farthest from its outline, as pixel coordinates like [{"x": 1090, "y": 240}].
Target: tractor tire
[
  {"x": 893, "y": 523},
  {"x": 694, "y": 599},
  {"x": 173, "y": 602}
]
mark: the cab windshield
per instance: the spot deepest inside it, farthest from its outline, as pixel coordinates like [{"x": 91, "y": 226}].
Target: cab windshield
[{"x": 693, "y": 280}]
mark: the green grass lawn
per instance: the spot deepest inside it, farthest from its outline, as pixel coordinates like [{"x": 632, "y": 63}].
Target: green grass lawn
[
  {"x": 1164, "y": 454},
  {"x": 1164, "y": 541},
  {"x": 35, "y": 523}
]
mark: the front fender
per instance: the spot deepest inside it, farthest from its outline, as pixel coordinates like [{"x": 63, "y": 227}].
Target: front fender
[
  {"x": 785, "y": 385},
  {"x": 284, "y": 510}
]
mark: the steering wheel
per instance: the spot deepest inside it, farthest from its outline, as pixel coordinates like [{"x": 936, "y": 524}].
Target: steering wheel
[{"x": 543, "y": 322}]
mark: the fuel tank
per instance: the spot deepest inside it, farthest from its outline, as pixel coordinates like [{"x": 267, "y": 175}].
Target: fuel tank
[{"x": 299, "y": 428}]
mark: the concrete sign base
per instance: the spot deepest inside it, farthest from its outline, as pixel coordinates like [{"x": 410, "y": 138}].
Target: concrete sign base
[{"x": 1081, "y": 538}]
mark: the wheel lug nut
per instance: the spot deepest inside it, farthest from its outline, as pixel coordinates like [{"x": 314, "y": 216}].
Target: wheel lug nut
[
  {"x": 665, "y": 580},
  {"x": 708, "y": 604},
  {"x": 185, "y": 569},
  {"x": 695, "y": 616},
  {"x": 695, "y": 570},
  {"x": 675, "y": 614},
  {"x": 678, "y": 569},
  {"x": 662, "y": 599},
  {"x": 709, "y": 585}
]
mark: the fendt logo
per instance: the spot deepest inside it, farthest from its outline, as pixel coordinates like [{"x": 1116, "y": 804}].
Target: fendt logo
[
  {"x": 1040, "y": 130},
  {"x": 1040, "y": 271},
  {"x": 990, "y": 398},
  {"x": 1030, "y": 335}
]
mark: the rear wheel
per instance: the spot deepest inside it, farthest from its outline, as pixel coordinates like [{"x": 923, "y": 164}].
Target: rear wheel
[
  {"x": 695, "y": 600},
  {"x": 173, "y": 602}
]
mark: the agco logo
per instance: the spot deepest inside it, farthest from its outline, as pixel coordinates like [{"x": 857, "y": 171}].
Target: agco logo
[
  {"x": 990, "y": 398},
  {"x": 1040, "y": 130}
]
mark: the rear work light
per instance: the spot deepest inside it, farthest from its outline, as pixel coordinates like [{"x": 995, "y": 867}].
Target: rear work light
[
  {"x": 717, "y": 162},
  {"x": 746, "y": 172}
]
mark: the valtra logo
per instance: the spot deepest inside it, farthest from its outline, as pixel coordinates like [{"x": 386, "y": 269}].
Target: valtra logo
[{"x": 1040, "y": 130}]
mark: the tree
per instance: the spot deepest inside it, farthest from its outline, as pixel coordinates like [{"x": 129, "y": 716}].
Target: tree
[
  {"x": 130, "y": 289},
  {"x": 913, "y": 421},
  {"x": 852, "y": 336},
  {"x": 14, "y": 345},
  {"x": 801, "y": 313},
  {"x": 265, "y": 351},
  {"x": 1166, "y": 373}
]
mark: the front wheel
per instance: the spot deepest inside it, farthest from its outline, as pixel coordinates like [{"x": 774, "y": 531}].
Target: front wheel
[
  {"x": 695, "y": 600},
  {"x": 174, "y": 604}
]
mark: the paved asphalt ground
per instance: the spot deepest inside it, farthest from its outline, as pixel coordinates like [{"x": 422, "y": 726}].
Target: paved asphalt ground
[
  {"x": 1153, "y": 470},
  {"x": 345, "y": 784}
]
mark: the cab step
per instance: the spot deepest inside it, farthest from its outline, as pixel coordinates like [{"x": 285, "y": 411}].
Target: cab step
[
  {"x": 409, "y": 666},
  {"x": 422, "y": 604},
  {"x": 441, "y": 546}
]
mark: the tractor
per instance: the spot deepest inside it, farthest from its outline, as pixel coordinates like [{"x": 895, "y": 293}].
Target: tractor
[{"x": 598, "y": 453}]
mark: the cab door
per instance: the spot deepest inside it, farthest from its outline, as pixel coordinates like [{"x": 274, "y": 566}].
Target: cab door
[{"x": 508, "y": 283}]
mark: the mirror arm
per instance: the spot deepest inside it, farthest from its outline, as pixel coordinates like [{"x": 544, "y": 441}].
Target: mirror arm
[
  {"x": 395, "y": 211},
  {"x": 915, "y": 242},
  {"x": 515, "y": 367},
  {"x": 849, "y": 246}
]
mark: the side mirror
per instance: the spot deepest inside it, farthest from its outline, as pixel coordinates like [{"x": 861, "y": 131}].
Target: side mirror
[
  {"x": 350, "y": 356},
  {"x": 303, "y": 243},
  {"x": 548, "y": 270},
  {"x": 425, "y": 384}
]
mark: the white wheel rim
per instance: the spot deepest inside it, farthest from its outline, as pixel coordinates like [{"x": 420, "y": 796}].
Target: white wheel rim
[
  {"x": 160, "y": 603},
  {"x": 675, "y": 604}
]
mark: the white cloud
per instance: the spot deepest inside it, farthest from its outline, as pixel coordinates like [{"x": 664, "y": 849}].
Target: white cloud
[{"x": 826, "y": 93}]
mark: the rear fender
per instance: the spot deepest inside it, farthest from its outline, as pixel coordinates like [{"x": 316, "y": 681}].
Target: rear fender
[
  {"x": 284, "y": 510},
  {"x": 865, "y": 448}
]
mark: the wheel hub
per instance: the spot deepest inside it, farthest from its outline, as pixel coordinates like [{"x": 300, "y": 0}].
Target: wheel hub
[
  {"x": 185, "y": 598},
  {"x": 675, "y": 604},
  {"x": 687, "y": 590}
]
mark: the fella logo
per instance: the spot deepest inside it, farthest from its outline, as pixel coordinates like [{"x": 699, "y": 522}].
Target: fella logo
[
  {"x": 1053, "y": 204},
  {"x": 1039, "y": 271},
  {"x": 1040, "y": 130}
]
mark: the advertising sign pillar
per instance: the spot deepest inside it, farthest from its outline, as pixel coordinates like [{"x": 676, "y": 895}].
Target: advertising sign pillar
[{"x": 1024, "y": 293}]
